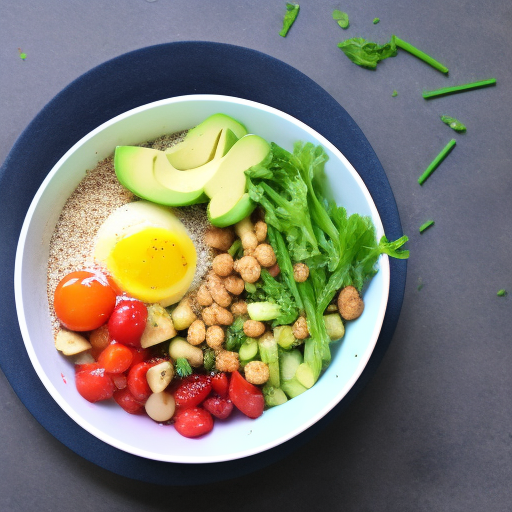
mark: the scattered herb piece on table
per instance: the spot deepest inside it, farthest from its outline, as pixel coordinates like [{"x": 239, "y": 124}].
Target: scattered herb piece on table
[
  {"x": 292, "y": 11},
  {"x": 426, "y": 225},
  {"x": 376, "y": 20},
  {"x": 420, "y": 284},
  {"x": 458, "y": 88},
  {"x": 366, "y": 53},
  {"x": 454, "y": 124},
  {"x": 341, "y": 18},
  {"x": 23, "y": 55},
  {"x": 437, "y": 160},
  {"x": 400, "y": 43},
  {"x": 394, "y": 94},
  {"x": 502, "y": 293}
]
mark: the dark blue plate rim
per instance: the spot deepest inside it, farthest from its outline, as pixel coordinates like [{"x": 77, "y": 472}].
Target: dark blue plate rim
[{"x": 128, "y": 81}]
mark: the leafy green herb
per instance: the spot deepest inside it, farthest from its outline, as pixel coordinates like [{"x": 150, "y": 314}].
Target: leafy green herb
[
  {"x": 458, "y": 88},
  {"x": 292, "y": 11},
  {"x": 437, "y": 160},
  {"x": 394, "y": 94},
  {"x": 235, "y": 334},
  {"x": 22, "y": 54},
  {"x": 341, "y": 18},
  {"x": 209, "y": 359},
  {"x": 501, "y": 293},
  {"x": 376, "y": 20},
  {"x": 400, "y": 43},
  {"x": 236, "y": 248},
  {"x": 183, "y": 368},
  {"x": 365, "y": 53},
  {"x": 426, "y": 225},
  {"x": 304, "y": 224},
  {"x": 454, "y": 124}
]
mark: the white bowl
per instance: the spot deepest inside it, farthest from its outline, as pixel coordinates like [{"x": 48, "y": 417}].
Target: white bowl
[{"x": 239, "y": 436}]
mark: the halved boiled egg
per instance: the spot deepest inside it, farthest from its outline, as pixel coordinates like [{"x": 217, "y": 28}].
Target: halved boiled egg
[{"x": 148, "y": 252}]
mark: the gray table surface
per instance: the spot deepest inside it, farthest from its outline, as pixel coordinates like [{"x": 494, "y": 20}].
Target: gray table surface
[{"x": 433, "y": 429}]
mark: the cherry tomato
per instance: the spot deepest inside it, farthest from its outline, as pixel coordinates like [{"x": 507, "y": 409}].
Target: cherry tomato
[
  {"x": 93, "y": 382},
  {"x": 127, "y": 401},
  {"x": 193, "y": 422},
  {"x": 245, "y": 396},
  {"x": 83, "y": 301},
  {"x": 119, "y": 380},
  {"x": 219, "y": 407},
  {"x": 137, "y": 382},
  {"x": 127, "y": 322},
  {"x": 192, "y": 391},
  {"x": 116, "y": 358},
  {"x": 139, "y": 355},
  {"x": 220, "y": 384}
]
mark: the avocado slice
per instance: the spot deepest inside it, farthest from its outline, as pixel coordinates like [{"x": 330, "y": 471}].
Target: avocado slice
[
  {"x": 200, "y": 143},
  {"x": 227, "y": 187}
]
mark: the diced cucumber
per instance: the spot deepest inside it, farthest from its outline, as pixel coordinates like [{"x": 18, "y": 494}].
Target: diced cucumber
[
  {"x": 305, "y": 375},
  {"x": 292, "y": 387},
  {"x": 248, "y": 350},
  {"x": 273, "y": 396},
  {"x": 289, "y": 362},
  {"x": 284, "y": 336},
  {"x": 334, "y": 326},
  {"x": 269, "y": 354}
]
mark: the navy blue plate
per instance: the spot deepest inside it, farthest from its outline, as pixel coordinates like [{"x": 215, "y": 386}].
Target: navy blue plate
[{"x": 126, "y": 82}]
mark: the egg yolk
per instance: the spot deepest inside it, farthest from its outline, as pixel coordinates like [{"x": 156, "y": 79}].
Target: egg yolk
[{"x": 154, "y": 264}]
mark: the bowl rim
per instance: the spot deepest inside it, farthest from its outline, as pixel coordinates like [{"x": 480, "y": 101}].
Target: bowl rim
[{"x": 383, "y": 264}]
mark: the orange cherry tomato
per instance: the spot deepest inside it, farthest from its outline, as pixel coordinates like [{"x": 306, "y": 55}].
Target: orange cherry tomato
[
  {"x": 84, "y": 301},
  {"x": 116, "y": 358}
]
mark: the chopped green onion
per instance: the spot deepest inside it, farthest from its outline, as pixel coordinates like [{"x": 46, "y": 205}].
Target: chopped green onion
[
  {"x": 421, "y": 55},
  {"x": 394, "y": 94},
  {"x": 235, "y": 247},
  {"x": 454, "y": 124},
  {"x": 341, "y": 18},
  {"x": 292, "y": 11},
  {"x": 501, "y": 293},
  {"x": 458, "y": 88},
  {"x": 426, "y": 225},
  {"x": 376, "y": 20},
  {"x": 437, "y": 160}
]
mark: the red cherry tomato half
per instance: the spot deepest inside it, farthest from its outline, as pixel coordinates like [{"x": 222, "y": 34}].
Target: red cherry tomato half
[
  {"x": 127, "y": 401},
  {"x": 127, "y": 322},
  {"x": 193, "y": 422},
  {"x": 137, "y": 382},
  {"x": 83, "y": 301},
  {"x": 219, "y": 407},
  {"x": 139, "y": 355},
  {"x": 220, "y": 384},
  {"x": 245, "y": 396},
  {"x": 93, "y": 382},
  {"x": 192, "y": 391},
  {"x": 116, "y": 358},
  {"x": 119, "y": 380}
]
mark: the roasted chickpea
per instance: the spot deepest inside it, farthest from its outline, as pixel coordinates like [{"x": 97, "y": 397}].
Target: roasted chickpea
[
  {"x": 265, "y": 255},
  {"x": 350, "y": 304},
  {"x": 248, "y": 268},
  {"x": 234, "y": 285},
  {"x": 227, "y": 361},
  {"x": 219, "y": 238},
  {"x": 217, "y": 290},
  {"x": 223, "y": 264},
  {"x": 215, "y": 337},
  {"x": 253, "y": 328},
  {"x": 260, "y": 230},
  {"x": 217, "y": 315},
  {"x": 196, "y": 332},
  {"x": 300, "y": 272},
  {"x": 300, "y": 328},
  {"x": 204, "y": 297},
  {"x": 239, "y": 308},
  {"x": 256, "y": 372}
]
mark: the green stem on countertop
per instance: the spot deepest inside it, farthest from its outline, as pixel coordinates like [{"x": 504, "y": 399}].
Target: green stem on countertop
[
  {"x": 421, "y": 55},
  {"x": 458, "y": 88},
  {"x": 437, "y": 160}
]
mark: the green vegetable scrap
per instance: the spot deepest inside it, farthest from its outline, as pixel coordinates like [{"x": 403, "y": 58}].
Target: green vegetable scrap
[
  {"x": 341, "y": 18},
  {"x": 454, "y": 124},
  {"x": 426, "y": 225},
  {"x": 183, "y": 368},
  {"x": 292, "y": 11},
  {"x": 502, "y": 293},
  {"x": 420, "y": 284},
  {"x": 235, "y": 334},
  {"x": 376, "y": 20},
  {"x": 394, "y": 94},
  {"x": 22, "y": 54},
  {"x": 437, "y": 160},
  {"x": 368, "y": 55},
  {"x": 458, "y": 88},
  {"x": 365, "y": 53},
  {"x": 305, "y": 225}
]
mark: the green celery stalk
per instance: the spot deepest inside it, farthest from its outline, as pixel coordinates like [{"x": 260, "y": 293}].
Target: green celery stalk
[
  {"x": 437, "y": 160},
  {"x": 270, "y": 355}
]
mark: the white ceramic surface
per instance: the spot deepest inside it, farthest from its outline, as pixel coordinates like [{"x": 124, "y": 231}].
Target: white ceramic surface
[{"x": 239, "y": 436}]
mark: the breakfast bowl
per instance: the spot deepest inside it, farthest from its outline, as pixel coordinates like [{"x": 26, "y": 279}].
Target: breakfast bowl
[{"x": 239, "y": 436}]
